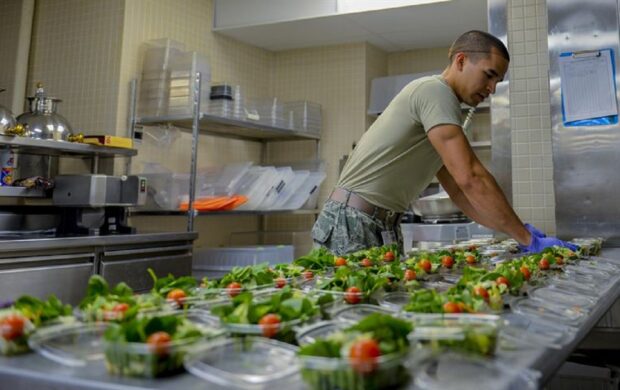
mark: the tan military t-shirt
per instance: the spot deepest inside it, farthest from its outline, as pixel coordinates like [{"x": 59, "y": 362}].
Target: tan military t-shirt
[{"x": 394, "y": 160}]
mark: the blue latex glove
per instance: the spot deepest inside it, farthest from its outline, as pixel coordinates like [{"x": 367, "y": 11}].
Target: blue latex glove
[
  {"x": 539, "y": 243},
  {"x": 534, "y": 231}
]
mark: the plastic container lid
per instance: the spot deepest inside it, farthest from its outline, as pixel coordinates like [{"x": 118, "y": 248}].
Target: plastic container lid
[
  {"x": 521, "y": 330},
  {"x": 245, "y": 363},
  {"x": 570, "y": 286},
  {"x": 354, "y": 313},
  {"x": 321, "y": 329},
  {"x": 395, "y": 301},
  {"x": 73, "y": 345},
  {"x": 455, "y": 371},
  {"x": 563, "y": 298},
  {"x": 538, "y": 308}
]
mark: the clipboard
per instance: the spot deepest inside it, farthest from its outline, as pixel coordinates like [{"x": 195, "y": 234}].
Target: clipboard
[{"x": 588, "y": 88}]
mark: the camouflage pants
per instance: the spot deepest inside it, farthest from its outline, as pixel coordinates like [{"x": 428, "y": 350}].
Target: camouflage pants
[{"x": 343, "y": 229}]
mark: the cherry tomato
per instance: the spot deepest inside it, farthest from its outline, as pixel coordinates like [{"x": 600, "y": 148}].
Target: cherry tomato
[
  {"x": 481, "y": 292},
  {"x": 12, "y": 326},
  {"x": 426, "y": 265},
  {"x": 280, "y": 282},
  {"x": 543, "y": 264},
  {"x": 366, "y": 262},
  {"x": 559, "y": 260},
  {"x": 307, "y": 274},
  {"x": 177, "y": 295},
  {"x": 353, "y": 295},
  {"x": 410, "y": 274},
  {"x": 451, "y": 307},
  {"x": 270, "y": 324},
  {"x": 118, "y": 311},
  {"x": 363, "y": 355},
  {"x": 470, "y": 259},
  {"x": 472, "y": 248},
  {"x": 233, "y": 289},
  {"x": 447, "y": 261},
  {"x": 158, "y": 342},
  {"x": 502, "y": 280},
  {"x": 340, "y": 261},
  {"x": 526, "y": 272},
  {"x": 388, "y": 256}
]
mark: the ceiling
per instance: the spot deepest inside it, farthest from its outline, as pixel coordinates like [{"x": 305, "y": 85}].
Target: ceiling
[{"x": 394, "y": 29}]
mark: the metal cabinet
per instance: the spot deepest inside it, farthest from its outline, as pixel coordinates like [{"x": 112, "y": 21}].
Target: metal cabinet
[
  {"x": 65, "y": 275},
  {"x": 130, "y": 265}
]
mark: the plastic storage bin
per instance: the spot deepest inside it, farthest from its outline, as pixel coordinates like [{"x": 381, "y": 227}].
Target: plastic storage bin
[
  {"x": 214, "y": 262},
  {"x": 306, "y": 116},
  {"x": 300, "y": 240},
  {"x": 167, "y": 190}
]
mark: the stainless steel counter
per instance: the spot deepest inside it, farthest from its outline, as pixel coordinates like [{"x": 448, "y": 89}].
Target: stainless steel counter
[
  {"x": 12, "y": 245},
  {"x": 34, "y": 371}
]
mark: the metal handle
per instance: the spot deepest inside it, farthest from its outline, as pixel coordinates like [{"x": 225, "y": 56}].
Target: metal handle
[
  {"x": 148, "y": 250},
  {"x": 13, "y": 260}
]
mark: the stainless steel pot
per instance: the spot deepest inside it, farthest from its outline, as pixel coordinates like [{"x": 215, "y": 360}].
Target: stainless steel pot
[
  {"x": 437, "y": 205},
  {"x": 42, "y": 122},
  {"x": 7, "y": 119}
]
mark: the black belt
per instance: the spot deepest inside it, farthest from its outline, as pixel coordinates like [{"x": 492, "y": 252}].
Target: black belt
[{"x": 355, "y": 201}]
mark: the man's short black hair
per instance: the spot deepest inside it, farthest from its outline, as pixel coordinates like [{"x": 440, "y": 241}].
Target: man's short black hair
[{"x": 477, "y": 42}]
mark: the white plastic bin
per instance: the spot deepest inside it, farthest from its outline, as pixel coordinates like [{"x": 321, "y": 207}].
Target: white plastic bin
[
  {"x": 214, "y": 262},
  {"x": 300, "y": 240}
]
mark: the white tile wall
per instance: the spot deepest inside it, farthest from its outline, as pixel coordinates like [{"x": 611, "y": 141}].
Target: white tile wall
[{"x": 533, "y": 195}]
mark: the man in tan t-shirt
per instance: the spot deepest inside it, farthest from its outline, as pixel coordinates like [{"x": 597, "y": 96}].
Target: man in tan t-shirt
[{"x": 417, "y": 137}]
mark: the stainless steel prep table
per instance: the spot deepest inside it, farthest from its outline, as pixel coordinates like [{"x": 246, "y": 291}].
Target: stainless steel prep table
[{"x": 34, "y": 371}]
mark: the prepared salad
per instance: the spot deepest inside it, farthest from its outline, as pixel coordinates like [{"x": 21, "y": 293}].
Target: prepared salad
[
  {"x": 368, "y": 355},
  {"x": 27, "y": 314},
  {"x": 271, "y": 316},
  {"x": 152, "y": 346}
]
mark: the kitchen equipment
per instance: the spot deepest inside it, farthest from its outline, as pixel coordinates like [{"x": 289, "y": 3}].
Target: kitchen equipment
[
  {"x": 42, "y": 121},
  {"x": 95, "y": 204},
  {"x": 7, "y": 119},
  {"x": 437, "y": 206}
]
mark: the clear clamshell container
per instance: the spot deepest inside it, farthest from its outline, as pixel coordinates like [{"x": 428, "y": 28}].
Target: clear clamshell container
[
  {"x": 550, "y": 311},
  {"x": 73, "y": 345},
  {"x": 327, "y": 373},
  {"x": 472, "y": 333},
  {"x": 244, "y": 363}
]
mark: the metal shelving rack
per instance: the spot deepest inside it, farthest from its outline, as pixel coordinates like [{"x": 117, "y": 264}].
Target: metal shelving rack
[
  {"x": 222, "y": 127},
  {"x": 55, "y": 148}
]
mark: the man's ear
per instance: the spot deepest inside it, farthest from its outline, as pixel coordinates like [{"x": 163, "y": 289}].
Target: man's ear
[{"x": 459, "y": 60}]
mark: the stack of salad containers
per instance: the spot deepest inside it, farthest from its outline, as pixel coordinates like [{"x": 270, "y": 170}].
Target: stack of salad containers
[{"x": 373, "y": 319}]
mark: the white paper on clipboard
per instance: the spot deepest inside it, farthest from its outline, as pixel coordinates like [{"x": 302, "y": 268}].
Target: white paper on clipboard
[{"x": 588, "y": 85}]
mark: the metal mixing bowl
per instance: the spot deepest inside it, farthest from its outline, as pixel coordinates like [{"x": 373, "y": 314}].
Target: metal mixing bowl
[{"x": 436, "y": 205}]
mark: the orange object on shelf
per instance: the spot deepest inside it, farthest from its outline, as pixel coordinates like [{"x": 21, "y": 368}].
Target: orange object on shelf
[{"x": 216, "y": 203}]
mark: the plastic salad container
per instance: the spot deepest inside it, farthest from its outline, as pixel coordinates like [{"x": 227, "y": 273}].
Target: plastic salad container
[
  {"x": 273, "y": 315},
  {"x": 158, "y": 356},
  {"x": 472, "y": 333},
  {"x": 585, "y": 289},
  {"x": 521, "y": 331},
  {"x": 455, "y": 371},
  {"x": 331, "y": 301},
  {"x": 244, "y": 363},
  {"x": 73, "y": 345},
  {"x": 550, "y": 311},
  {"x": 346, "y": 372},
  {"x": 15, "y": 331}
]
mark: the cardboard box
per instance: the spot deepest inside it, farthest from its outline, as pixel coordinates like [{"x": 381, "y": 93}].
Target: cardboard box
[{"x": 109, "y": 140}]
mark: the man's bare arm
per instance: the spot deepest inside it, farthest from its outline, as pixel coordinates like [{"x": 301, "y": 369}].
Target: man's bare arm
[{"x": 489, "y": 206}]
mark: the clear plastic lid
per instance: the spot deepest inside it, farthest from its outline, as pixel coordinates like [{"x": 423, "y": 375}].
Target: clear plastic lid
[
  {"x": 311, "y": 333},
  {"x": 245, "y": 363},
  {"x": 570, "y": 299},
  {"x": 73, "y": 345},
  {"x": 354, "y": 313},
  {"x": 571, "y": 286},
  {"x": 527, "y": 331},
  {"x": 395, "y": 301},
  {"x": 538, "y": 308},
  {"x": 455, "y": 371}
]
